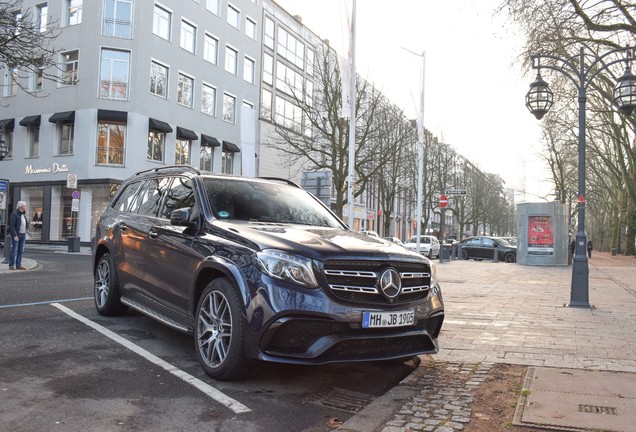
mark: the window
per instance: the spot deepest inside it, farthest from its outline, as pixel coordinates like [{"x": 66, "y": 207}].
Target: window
[
  {"x": 188, "y": 36},
  {"x": 288, "y": 114},
  {"x": 210, "y": 48},
  {"x": 233, "y": 16},
  {"x": 182, "y": 152},
  {"x": 113, "y": 75},
  {"x": 156, "y": 144},
  {"x": 269, "y": 33},
  {"x": 41, "y": 16},
  {"x": 117, "y": 19},
  {"x": 8, "y": 140},
  {"x": 111, "y": 138},
  {"x": 180, "y": 195},
  {"x": 290, "y": 48},
  {"x": 311, "y": 58},
  {"x": 250, "y": 27},
  {"x": 268, "y": 69},
  {"x": 33, "y": 133},
  {"x": 229, "y": 108},
  {"x": 248, "y": 70},
  {"x": 206, "y": 158},
  {"x": 70, "y": 67},
  {"x": 227, "y": 162},
  {"x": 124, "y": 201},
  {"x": 73, "y": 12},
  {"x": 231, "y": 57},
  {"x": 66, "y": 139},
  {"x": 150, "y": 196},
  {"x": 184, "y": 90},
  {"x": 266, "y": 104},
  {"x": 213, "y": 6},
  {"x": 11, "y": 81},
  {"x": 208, "y": 100},
  {"x": 37, "y": 81},
  {"x": 162, "y": 22},
  {"x": 288, "y": 80},
  {"x": 158, "y": 79}
]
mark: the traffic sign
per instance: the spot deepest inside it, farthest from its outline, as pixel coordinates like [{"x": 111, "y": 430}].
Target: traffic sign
[
  {"x": 76, "y": 194},
  {"x": 71, "y": 181},
  {"x": 443, "y": 201},
  {"x": 4, "y": 185},
  {"x": 455, "y": 191}
]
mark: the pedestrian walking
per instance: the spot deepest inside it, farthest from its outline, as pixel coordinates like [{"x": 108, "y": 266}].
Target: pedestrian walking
[
  {"x": 589, "y": 248},
  {"x": 572, "y": 246},
  {"x": 18, "y": 226}
]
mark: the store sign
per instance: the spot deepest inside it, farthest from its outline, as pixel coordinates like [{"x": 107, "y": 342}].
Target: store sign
[{"x": 53, "y": 169}]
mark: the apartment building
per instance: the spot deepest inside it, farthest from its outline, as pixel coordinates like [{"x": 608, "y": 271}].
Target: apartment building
[{"x": 141, "y": 84}]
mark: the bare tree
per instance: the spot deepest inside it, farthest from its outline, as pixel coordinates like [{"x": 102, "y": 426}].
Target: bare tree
[{"x": 26, "y": 43}]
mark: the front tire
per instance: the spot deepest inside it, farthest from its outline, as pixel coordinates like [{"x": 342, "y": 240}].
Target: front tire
[
  {"x": 106, "y": 290},
  {"x": 510, "y": 258},
  {"x": 219, "y": 333}
]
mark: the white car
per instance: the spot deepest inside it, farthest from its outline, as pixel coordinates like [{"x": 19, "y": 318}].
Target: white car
[{"x": 429, "y": 245}]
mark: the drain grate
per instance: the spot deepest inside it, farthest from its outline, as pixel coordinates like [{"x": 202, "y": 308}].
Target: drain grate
[
  {"x": 593, "y": 409},
  {"x": 345, "y": 400}
]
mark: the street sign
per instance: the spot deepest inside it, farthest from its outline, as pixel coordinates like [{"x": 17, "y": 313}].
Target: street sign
[
  {"x": 71, "y": 181},
  {"x": 75, "y": 205},
  {"x": 581, "y": 199},
  {"x": 4, "y": 185},
  {"x": 76, "y": 194},
  {"x": 443, "y": 201},
  {"x": 455, "y": 191}
]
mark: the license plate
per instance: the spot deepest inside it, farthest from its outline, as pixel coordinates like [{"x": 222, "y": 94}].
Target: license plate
[{"x": 388, "y": 319}]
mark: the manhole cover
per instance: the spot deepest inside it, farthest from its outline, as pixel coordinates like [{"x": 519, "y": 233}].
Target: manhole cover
[
  {"x": 577, "y": 400},
  {"x": 344, "y": 400}
]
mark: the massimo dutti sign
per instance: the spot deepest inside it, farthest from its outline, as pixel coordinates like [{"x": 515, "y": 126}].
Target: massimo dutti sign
[{"x": 53, "y": 169}]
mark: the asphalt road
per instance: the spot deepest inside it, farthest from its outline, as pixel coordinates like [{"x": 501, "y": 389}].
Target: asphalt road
[{"x": 63, "y": 367}]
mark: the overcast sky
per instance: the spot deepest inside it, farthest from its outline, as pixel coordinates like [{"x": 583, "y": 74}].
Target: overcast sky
[{"x": 474, "y": 87}]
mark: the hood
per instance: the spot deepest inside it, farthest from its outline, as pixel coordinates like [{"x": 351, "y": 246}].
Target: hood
[{"x": 316, "y": 242}]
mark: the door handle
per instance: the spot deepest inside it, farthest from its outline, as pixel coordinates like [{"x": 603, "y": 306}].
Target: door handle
[
  {"x": 152, "y": 233},
  {"x": 123, "y": 226}
]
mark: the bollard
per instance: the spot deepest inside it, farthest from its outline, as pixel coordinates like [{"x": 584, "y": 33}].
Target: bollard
[{"x": 495, "y": 255}]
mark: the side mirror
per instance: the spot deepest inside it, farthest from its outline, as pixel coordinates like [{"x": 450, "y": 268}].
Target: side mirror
[{"x": 182, "y": 217}]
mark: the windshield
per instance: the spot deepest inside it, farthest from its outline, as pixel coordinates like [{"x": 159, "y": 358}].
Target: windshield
[{"x": 256, "y": 201}]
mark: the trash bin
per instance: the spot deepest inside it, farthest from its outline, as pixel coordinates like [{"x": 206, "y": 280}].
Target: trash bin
[
  {"x": 73, "y": 244},
  {"x": 446, "y": 252},
  {"x": 614, "y": 251}
]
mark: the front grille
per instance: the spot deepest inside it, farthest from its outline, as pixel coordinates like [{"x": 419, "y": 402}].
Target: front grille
[
  {"x": 296, "y": 336},
  {"x": 359, "y": 281}
]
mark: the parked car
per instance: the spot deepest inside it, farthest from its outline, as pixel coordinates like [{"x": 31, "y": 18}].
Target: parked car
[
  {"x": 429, "y": 245},
  {"x": 483, "y": 248},
  {"x": 394, "y": 240},
  {"x": 511, "y": 240},
  {"x": 260, "y": 270}
]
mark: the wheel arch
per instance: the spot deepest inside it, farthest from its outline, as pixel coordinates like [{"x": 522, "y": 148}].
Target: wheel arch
[{"x": 215, "y": 268}]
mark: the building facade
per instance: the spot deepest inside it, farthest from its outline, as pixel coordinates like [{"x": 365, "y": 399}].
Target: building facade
[{"x": 141, "y": 84}]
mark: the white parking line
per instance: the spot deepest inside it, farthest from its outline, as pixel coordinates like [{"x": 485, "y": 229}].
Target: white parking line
[{"x": 215, "y": 394}]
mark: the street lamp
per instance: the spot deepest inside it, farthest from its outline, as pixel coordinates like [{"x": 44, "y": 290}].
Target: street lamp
[{"x": 539, "y": 101}]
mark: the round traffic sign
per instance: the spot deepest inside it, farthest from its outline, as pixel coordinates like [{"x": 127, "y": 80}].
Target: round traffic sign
[
  {"x": 443, "y": 201},
  {"x": 76, "y": 194}
]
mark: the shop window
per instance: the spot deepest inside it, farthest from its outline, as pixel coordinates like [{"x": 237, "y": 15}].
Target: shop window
[{"x": 34, "y": 199}]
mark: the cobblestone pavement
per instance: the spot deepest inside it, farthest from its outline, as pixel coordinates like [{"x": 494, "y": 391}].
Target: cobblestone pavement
[{"x": 443, "y": 401}]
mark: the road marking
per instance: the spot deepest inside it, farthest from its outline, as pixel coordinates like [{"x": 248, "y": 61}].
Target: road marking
[
  {"x": 45, "y": 302},
  {"x": 215, "y": 394}
]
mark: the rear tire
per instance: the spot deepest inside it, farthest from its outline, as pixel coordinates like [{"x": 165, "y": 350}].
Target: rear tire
[
  {"x": 464, "y": 254},
  {"x": 106, "y": 290},
  {"x": 219, "y": 333}
]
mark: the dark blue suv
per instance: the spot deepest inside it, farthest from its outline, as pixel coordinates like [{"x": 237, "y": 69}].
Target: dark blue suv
[{"x": 260, "y": 270}]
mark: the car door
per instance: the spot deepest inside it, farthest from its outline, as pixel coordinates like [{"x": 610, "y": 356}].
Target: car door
[{"x": 169, "y": 249}]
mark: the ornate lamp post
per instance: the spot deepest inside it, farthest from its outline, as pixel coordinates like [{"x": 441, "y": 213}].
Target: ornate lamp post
[{"x": 539, "y": 100}]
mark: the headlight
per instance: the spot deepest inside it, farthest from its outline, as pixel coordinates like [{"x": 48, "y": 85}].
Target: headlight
[
  {"x": 291, "y": 268},
  {"x": 433, "y": 275}
]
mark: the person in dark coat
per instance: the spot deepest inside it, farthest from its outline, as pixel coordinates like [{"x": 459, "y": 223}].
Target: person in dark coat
[
  {"x": 589, "y": 248},
  {"x": 18, "y": 227},
  {"x": 572, "y": 247}
]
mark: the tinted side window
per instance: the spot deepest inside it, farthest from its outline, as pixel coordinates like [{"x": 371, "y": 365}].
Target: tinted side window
[
  {"x": 150, "y": 196},
  {"x": 180, "y": 195},
  {"x": 124, "y": 201}
]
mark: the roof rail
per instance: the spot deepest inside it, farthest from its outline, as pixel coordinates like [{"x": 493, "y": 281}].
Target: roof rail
[
  {"x": 189, "y": 168},
  {"x": 282, "y": 180}
]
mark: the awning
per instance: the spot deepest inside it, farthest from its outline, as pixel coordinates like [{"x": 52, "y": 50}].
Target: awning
[
  {"x": 158, "y": 125},
  {"x": 110, "y": 115},
  {"x": 63, "y": 117},
  {"x": 230, "y": 147},
  {"x": 30, "y": 121},
  {"x": 184, "y": 133},
  {"x": 207, "y": 140},
  {"x": 7, "y": 124}
]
